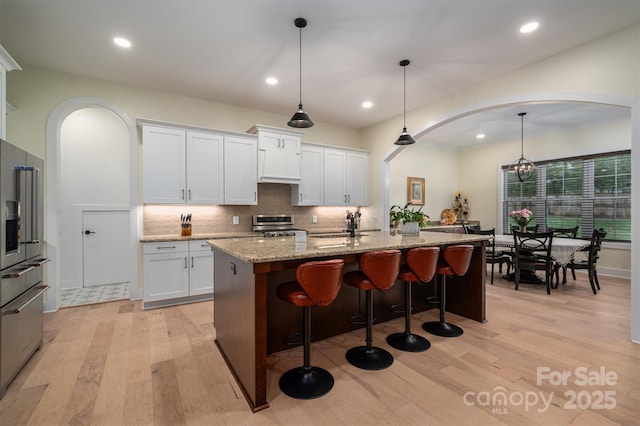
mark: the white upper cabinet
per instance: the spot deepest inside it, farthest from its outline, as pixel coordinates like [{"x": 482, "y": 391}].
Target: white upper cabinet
[
  {"x": 164, "y": 165},
  {"x": 310, "y": 190},
  {"x": 205, "y": 172},
  {"x": 182, "y": 166},
  {"x": 6, "y": 64},
  {"x": 346, "y": 174},
  {"x": 357, "y": 178},
  {"x": 240, "y": 171},
  {"x": 278, "y": 154}
]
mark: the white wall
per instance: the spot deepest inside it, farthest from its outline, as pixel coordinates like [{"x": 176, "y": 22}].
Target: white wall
[
  {"x": 439, "y": 167},
  {"x": 606, "y": 66},
  {"x": 94, "y": 171},
  {"x": 480, "y": 165},
  {"x": 36, "y": 92}
]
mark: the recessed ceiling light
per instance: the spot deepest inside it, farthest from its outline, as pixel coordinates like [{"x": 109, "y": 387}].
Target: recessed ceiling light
[
  {"x": 271, "y": 81},
  {"x": 122, "y": 42},
  {"x": 529, "y": 27},
  {"x": 480, "y": 136},
  {"x": 367, "y": 104}
]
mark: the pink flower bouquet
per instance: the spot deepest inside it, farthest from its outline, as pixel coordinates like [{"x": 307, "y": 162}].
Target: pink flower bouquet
[{"x": 521, "y": 217}]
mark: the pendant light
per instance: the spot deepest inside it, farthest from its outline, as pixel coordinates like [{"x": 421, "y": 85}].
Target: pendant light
[
  {"x": 405, "y": 138},
  {"x": 523, "y": 167},
  {"x": 300, "y": 119}
]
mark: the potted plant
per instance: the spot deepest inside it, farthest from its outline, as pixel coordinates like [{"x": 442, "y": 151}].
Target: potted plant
[{"x": 410, "y": 219}]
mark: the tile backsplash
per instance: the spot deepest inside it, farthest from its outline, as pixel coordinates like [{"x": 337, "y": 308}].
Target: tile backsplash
[{"x": 272, "y": 199}]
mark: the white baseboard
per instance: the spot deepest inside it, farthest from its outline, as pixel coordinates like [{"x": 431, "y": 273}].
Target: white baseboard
[{"x": 610, "y": 272}]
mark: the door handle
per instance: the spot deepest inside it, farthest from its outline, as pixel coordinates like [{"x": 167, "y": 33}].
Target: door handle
[{"x": 87, "y": 232}]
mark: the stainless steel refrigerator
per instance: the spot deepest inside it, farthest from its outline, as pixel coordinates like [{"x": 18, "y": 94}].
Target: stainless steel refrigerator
[{"x": 21, "y": 259}]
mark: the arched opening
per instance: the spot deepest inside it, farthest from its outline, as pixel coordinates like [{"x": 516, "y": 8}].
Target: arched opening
[
  {"x": 57, "y": 211},
  {"x": 633, "y": 104}
]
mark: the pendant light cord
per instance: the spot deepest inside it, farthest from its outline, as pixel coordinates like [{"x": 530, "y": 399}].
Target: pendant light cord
[
  {"x": 300, "y": 68},
  {"x": 522, "y": 114},
  {"x": 522, "y": 136},
  {"x": 404, "y": 100}
]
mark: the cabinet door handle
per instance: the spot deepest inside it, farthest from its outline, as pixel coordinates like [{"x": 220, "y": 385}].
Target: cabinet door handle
[
  {"x": 182, "y": 196},
  {"x": 282, "y": 143},
  {"x": 185, "y": 263},
  {"x": 349, "y": 196},
  {"x": 191, "y": 262},
  {"x": 255, "y": 196},
  {"x": 345, "y": 198},
  {"x": 189, "y": 194},
  {"x": 301, "y": 197},
  {"x": 165, "y": 247}
]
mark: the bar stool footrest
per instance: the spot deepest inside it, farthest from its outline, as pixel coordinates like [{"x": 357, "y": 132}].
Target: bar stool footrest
[
  {"x": 353, "y": 319},
  {"x": 433, "y": 300},
  {"x": 398, "y": 308}
]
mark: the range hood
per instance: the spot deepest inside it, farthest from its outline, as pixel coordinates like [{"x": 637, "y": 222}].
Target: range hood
[{"x": 278, "y": 154}]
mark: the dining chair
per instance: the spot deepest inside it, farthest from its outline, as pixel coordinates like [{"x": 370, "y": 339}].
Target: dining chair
[
  {"x": 592, "y": 259},
  {"x": 533, "y": 252},
  {"x": 492, "y": 255},
  {"x": 468, "y": 228},
  {"x": 563, "y": 233}
]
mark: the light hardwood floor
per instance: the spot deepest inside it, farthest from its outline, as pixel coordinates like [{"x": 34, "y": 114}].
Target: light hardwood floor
[{"x": 114, "y": 364}]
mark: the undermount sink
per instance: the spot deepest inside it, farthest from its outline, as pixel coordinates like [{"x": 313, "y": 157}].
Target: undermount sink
[{"x": 334, "y": 235}]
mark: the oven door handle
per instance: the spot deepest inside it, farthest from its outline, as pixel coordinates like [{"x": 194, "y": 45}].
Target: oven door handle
[
  {"x": 39, "y": 262},
  {"x": 41, "y": 289},
  {"x": 17, "y": 274}
]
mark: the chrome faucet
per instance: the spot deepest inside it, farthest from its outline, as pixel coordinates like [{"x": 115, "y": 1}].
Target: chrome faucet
[{"x": 353, "y": 221}]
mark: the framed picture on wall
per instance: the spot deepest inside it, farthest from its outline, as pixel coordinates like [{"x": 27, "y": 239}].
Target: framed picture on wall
[{"x": 415, "y": 190}]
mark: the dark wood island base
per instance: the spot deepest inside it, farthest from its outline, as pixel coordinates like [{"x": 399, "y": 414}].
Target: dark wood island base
[{"x": 251, "y": 322}]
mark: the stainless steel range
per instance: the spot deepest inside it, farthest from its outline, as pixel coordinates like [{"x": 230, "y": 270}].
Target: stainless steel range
[
  {"x": 274, "y": 225},
  {"x": 21, "y": 260}
]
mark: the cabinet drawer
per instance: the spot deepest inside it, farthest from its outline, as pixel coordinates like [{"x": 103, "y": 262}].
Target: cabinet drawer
[
  {"x": 165, "y": 247},
  {"x": 199, "y": 245}
]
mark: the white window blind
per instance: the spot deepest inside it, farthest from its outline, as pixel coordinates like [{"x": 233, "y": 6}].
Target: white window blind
[{"x": 591, "y": 192}]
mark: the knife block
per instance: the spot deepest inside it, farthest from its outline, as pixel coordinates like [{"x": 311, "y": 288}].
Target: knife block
[{"x": 185, "y": 231}]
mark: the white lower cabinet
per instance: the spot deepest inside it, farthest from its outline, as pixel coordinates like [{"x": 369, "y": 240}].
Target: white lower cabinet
[
  {"x": 176, "y": 271},
  {"x": 201, "y": 268}
]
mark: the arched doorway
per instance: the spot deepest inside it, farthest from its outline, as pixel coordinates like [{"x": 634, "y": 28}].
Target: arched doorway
[
  {"x": 57, "y": 213},
  {"x": 606, "y": 99}
]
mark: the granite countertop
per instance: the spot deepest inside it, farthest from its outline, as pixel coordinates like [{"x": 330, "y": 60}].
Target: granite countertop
[
  {"x": 222, "y": 235},
  {"x": 212, "y": 236},
  {"x": 260, "y": 250}
]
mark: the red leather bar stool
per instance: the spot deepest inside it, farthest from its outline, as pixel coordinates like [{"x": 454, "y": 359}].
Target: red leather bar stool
[
  {"x": 317, "y": 284},
  {"x": 455, "y": 260},
  {"x": 377, "y": 270},
  {"x": 420, "y": 267}
]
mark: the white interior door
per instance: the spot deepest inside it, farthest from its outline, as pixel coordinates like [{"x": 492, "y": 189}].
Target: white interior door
[{"x": 105, "y": 247}]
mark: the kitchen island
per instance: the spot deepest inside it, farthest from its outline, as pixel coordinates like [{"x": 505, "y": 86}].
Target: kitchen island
[{"x": 251, "y": 322}]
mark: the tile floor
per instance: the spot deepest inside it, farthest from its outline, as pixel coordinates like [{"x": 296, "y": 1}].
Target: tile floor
[{"x": 94, "y": 294}]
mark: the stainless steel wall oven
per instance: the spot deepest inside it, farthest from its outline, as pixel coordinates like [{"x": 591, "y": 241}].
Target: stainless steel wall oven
[{"x": 21, "y": 259}]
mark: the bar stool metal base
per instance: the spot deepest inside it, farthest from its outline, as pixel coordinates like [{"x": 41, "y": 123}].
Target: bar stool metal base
[
  {"x": 408, "y": 342},
  {"x": 306, "y": 382},
  {"x": 369, "y": 358},
  {"x": 443, "y": 329}
]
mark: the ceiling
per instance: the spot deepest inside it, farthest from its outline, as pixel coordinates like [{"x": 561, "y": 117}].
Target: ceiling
[{"x": 222, "y": 50}]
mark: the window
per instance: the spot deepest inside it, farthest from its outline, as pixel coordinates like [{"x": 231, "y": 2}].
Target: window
[{"x": 591, "y": 192}]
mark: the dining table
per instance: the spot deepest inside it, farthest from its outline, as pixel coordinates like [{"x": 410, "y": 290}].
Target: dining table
[{"x": 563, "y": 250}]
